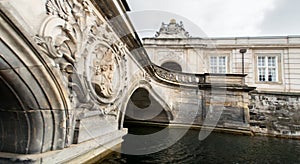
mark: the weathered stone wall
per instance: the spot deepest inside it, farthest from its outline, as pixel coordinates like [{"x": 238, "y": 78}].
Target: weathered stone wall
[
  {"x": 209, "y": 107},
  {"x": 275, "y": 114},
  {"x": 229, "y": 107}
]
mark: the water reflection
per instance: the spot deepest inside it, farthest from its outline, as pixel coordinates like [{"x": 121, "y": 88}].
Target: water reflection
[{"x": 218, "y": 148}]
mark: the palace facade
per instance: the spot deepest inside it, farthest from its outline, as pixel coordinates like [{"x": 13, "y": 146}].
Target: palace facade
[{"x": 272, "y": 63}]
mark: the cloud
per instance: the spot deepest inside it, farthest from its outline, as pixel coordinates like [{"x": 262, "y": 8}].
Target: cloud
[
  {"x": 236, "y": 17},
  {"x": 214, "y": 17},
  {"x": 283, "y": 20}
]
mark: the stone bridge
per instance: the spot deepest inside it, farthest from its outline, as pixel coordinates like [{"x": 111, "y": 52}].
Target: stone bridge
[{"x": 73, "y": 70}]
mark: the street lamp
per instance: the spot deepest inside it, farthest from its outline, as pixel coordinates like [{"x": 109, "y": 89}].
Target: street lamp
[{"x": 243, "y": 51}]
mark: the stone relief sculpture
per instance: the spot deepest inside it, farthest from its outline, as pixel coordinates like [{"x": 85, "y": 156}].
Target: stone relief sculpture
[
  {"x": 103, "y": 77},
  {"x": 172, "y": 30},
  {"x": 92, "y": 58}
]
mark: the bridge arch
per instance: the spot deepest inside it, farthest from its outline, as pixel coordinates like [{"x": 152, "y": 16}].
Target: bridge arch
[
  {"x": 145, "y": 87},
  {"x": 33, "y": 103}
]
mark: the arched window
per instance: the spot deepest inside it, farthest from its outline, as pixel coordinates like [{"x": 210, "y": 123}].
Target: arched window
[{"x": 172, "y": 66}]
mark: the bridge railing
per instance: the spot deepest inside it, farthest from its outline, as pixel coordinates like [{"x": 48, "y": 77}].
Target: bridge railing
[
  {"x": 178, "y": 78},
  {"x": 198, "y": 80}
]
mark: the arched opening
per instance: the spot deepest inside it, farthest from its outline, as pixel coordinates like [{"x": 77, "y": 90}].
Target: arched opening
[
  {"x": 143, "y": 110},
  {"x": 23, "y": 119},
  {"x": 31, "y": 119},
  {"x": 173, "y": 66}
]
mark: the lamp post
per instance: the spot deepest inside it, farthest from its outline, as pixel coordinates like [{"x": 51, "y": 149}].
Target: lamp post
[{"x": 243, "y": 51}]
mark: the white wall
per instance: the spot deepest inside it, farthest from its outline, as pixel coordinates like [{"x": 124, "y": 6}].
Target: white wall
[{"x": 193, "y": 55}]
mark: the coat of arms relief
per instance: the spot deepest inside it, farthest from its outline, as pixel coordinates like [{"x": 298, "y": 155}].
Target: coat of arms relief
[
  {"x": 103, "y": 75},
  {"x": 90, "y": 55}
]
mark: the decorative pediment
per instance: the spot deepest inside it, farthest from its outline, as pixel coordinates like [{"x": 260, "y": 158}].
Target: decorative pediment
[{"x": 172, "y": 30}]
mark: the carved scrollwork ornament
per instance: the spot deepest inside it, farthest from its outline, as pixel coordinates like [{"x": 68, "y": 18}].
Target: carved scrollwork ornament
[{"x": 90, "y": 55}]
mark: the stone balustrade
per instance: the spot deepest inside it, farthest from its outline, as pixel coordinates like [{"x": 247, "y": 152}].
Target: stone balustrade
[{"x": 188, "y": 79}]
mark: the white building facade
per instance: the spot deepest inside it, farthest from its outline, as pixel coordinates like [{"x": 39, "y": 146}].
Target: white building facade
[{"x": 272, "y": 64}]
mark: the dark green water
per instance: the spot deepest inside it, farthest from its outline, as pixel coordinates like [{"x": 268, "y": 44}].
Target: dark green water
[{"x": 216, "y": 148}]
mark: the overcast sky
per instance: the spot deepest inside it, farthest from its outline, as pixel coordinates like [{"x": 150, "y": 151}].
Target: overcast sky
[{"x": 219, "y": 18}]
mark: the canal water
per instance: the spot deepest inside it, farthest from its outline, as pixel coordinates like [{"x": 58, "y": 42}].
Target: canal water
[{"x": 216, "y": 148}]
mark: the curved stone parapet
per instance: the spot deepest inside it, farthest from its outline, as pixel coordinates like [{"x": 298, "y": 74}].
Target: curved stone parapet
[
  {"x": 201, "y": 81},
  {"x": 178, "y": 78}
]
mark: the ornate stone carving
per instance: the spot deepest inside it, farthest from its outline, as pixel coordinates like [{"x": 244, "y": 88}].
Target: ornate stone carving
[
  {"x": 92, "y": 58},
  {"x": 178, "y": 78},
  {"x": 103, "y": 75},
  {"x": 172, "y": 30},
  {"x": 106, "y": 71}
]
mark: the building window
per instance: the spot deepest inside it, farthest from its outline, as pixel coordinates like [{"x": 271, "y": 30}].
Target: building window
[
  {"x": 267, "y": 68},
  {"x": 218, "y": 64}
]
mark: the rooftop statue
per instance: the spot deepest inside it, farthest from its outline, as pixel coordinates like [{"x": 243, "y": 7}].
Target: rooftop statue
[{"x": 172, "y": 30}]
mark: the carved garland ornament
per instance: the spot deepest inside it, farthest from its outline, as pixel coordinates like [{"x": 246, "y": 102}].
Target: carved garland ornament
[{"x": 90, "y": 56}]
